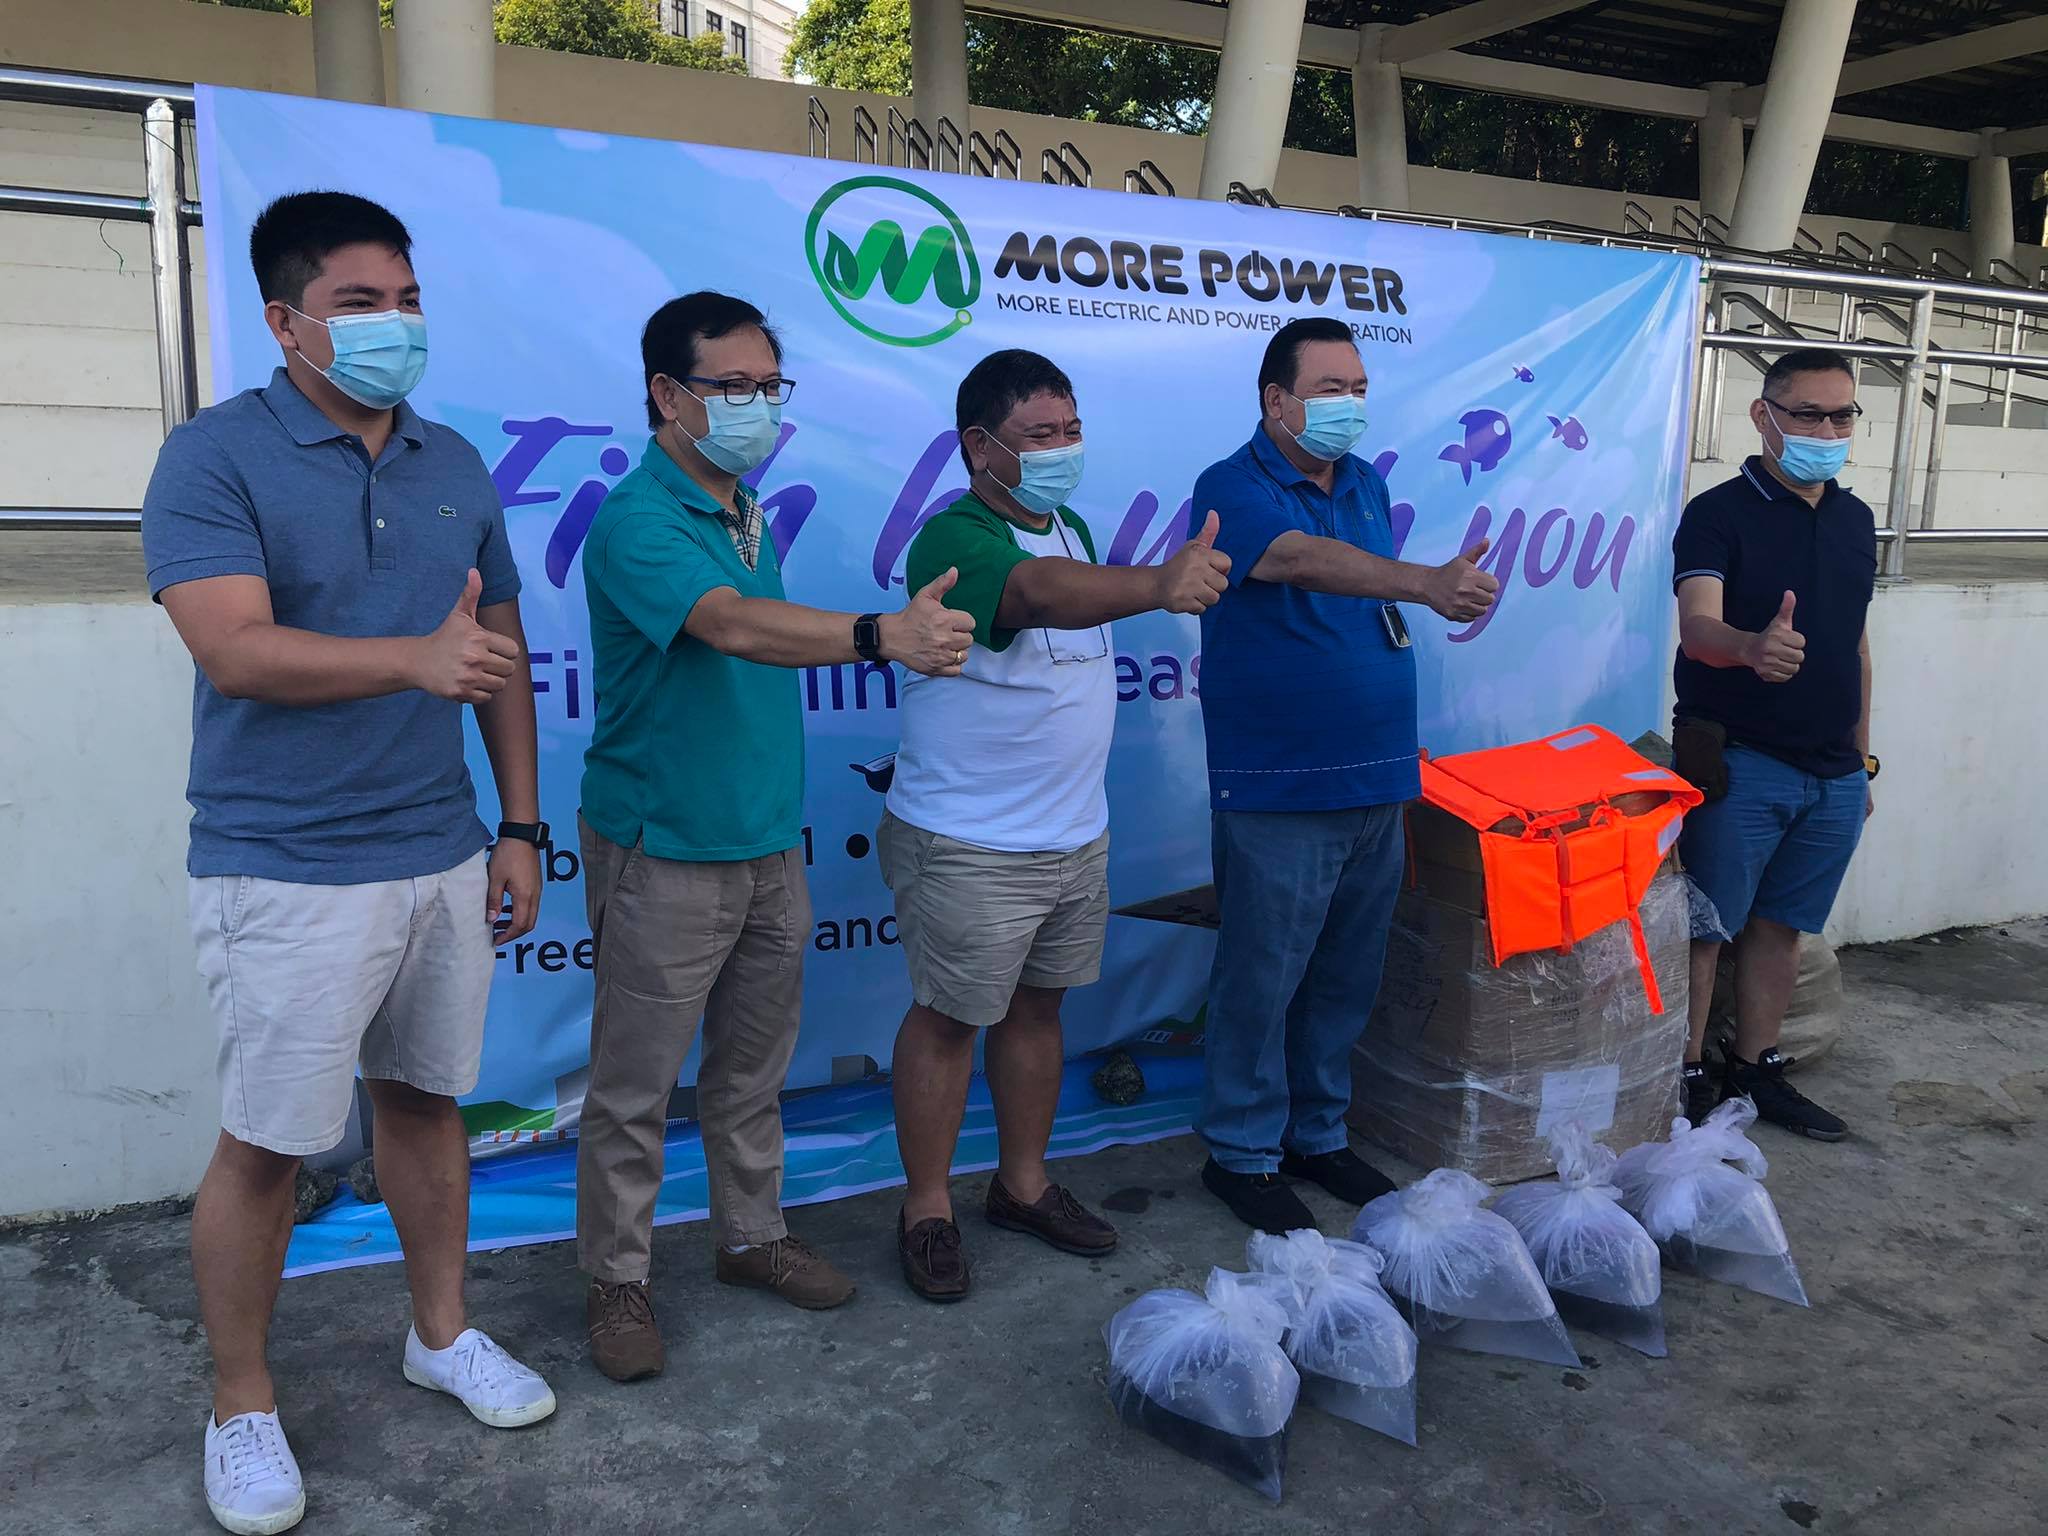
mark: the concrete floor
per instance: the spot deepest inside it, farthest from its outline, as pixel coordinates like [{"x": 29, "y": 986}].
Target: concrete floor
[{"x": 1910, "y": 1399}]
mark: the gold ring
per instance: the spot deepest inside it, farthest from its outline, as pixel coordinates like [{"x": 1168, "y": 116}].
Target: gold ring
[{"x": 958, "y": 657}]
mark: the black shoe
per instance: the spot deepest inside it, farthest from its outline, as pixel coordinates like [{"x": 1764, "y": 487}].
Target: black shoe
[
  {"x": 1696, "y": 1083},
  {"x": 1258, "y": 1199},
  {"x": 1777, "y": 1100},
  {"x": 1343, "y": 1173}
]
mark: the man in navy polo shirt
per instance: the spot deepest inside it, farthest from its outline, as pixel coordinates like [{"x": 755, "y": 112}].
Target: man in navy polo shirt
[
  {"x": 1308, "y": 699},
  {"x": 1775, "y": 570},
  {"x": 338, "y": 569}
]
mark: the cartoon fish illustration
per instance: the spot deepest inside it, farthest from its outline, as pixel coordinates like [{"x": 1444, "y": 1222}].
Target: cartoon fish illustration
[
  {"x": 879, "y": 772},
  {"x": 1524, "y": 375},
  {"x": 1487, "y": 440},
  {"x": 1569, "y": 431}
]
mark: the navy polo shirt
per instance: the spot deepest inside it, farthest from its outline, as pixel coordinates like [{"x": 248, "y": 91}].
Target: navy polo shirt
[
  {"x": 1307, "y": 703},
  {"x": 265, "y": 485},
  {"x": 1763, "y": 541}
]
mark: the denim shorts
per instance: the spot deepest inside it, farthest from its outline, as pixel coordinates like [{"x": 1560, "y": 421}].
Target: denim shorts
[{"x": 1777, "y": 845}]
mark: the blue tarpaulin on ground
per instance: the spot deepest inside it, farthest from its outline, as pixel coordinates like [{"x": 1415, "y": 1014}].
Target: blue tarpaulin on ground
[{"x": 839, "y": 1142}]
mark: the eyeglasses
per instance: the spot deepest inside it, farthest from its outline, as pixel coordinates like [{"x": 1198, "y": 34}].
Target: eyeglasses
[
  {"x": 1846, "y": 417},
  {"x": 1074, "y": 643},
  {"x": 742, "y": 391}
]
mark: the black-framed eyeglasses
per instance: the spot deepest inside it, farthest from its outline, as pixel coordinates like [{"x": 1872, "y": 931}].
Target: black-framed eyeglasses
[
  {"x": 1846, "y": 417},
  {"x": 742, "y": 391},
  {"x": 1075, "y": 644}
]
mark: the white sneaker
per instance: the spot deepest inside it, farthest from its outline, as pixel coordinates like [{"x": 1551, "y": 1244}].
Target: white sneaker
[
  {"x": 252, "y": 1480},
  {"x": 493, "y": 1386}
]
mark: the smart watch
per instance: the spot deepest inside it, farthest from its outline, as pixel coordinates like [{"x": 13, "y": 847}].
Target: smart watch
[
  {"x": 534, "y": 832},
  {"x": 867, "y": 637}
]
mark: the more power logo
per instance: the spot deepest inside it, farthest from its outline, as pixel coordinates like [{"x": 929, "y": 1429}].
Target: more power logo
[{"x": 900, "y": 289}]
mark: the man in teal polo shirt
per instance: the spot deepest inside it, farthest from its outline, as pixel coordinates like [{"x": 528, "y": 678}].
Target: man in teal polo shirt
[{"x": 691, "y": 819}]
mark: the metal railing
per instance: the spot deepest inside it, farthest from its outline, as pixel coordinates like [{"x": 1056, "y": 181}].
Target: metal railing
[
  {"x": 1066, "y": 167},
  {"x": 1148, "y": 178},
  {"x": 169, "y": 214},
  {"x": 1636, "y": 219},
  {"x": 163, "y": 206},
  {"x": 817, "y": 130},
  {"x": 949, "y": 145},
  {"x": 992, "y": 157},
  {"x": 1912, "y": 358}
]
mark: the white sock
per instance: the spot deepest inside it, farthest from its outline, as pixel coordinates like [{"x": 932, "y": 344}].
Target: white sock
[{"x": 739, "y": 1248}]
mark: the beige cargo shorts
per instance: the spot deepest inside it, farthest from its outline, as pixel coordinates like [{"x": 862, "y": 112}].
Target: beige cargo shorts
[
  {"x": 976, "y": 922},
  {"x": 309, "y": 981}
]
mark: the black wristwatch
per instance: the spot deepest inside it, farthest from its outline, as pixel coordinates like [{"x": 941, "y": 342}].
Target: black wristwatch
[
  {"x": 1871, "y": 765},
  {"x": 867, "y": 637},
  {"x": 534, "y": 832}
]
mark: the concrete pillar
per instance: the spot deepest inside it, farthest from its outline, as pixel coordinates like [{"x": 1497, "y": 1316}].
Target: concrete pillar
[
  {"x": 938, "y": 63},
  {"x": 1379, "y": 124},
  {"x": 1254, "y": 84},
  {"x": 1720, "y": 152},
  {"x": 348, "y": 51},
  {"x": 1991, "y": 226},
  {"x": 1799, "y": 96},
  {"x": 447, "y": 56}
]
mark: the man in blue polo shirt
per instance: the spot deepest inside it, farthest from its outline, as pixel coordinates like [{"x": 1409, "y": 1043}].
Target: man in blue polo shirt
[
  {"x": 1775, "y": 570},
  {"x": 1308, "y": 698},
  {"x": 338, "y": 569}
]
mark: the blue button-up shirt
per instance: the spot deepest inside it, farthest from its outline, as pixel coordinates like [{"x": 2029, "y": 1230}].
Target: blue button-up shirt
[
  {"x": 1307, "y": 702},
  {"x": 265, "y": 485}
]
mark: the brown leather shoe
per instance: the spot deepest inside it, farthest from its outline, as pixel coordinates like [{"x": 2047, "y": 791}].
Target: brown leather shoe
[
  {"x": 933, "y": 1263},
  {"x": 1056, "y": 1218},
  {"x": 789, "y": 1269},
  {"x": 624, "y": 1342}
]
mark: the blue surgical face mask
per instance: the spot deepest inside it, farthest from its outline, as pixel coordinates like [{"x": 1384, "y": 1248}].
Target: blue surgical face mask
[
  {"x": 1809, "y": 460},
  {"x": 737, "y": 438},
  {"x": 1331, "y": 425},
  {"x": 1048, "y": 476},
  {"x": 378, "y": 359}
]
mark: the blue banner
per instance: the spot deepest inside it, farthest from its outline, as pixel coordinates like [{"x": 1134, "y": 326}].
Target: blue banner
[{"x": 1523, "y": 391}]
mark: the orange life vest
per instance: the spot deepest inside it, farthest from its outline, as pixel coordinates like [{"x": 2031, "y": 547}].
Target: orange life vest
[{"x": 1571, "y": 830}]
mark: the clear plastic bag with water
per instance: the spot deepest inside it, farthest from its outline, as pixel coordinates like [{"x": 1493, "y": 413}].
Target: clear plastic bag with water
[
  {"x": 1462, "y": 1276},
  {"x": 1355, "y": 1353},
  {"x": 1600, "y": 1265},
  {"x": 1207, "y": 1375},
  {"x": 1707, "y": 1216}
]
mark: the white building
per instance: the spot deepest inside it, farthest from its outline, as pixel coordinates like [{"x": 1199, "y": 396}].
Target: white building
[{"x": 756, "y": 31}]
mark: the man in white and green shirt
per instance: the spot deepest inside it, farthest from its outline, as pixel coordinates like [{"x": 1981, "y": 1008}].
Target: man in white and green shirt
[{"x": 996, "y": 839}]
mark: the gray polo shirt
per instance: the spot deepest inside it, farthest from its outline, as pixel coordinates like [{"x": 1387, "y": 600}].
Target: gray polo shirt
[{"x": 265, "y": 485}]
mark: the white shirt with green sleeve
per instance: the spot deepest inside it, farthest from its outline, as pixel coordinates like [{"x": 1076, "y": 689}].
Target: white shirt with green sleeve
[{"x": 1010, "y": 755}]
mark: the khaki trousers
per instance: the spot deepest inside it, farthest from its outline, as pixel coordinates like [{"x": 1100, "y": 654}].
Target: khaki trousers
[{"x": 678, "y": 942}]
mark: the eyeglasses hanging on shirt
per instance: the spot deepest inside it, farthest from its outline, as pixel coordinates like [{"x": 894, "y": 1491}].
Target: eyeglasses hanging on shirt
[{"x": 1074, "y": 645}]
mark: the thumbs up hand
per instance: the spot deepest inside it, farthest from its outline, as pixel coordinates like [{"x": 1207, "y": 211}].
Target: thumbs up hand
[
  {"x": 462, "y": 660},
  {"x": 1458, "y": 589},
  {"x": 927, "y": 636},
  {"x": 1779, "y": 651},
  {"x": 1197, "y": 575}
]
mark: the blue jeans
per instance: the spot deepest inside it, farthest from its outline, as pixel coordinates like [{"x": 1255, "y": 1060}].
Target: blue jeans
[
  {"x": 1777, "y": 845},
  {"x": 1306, "y": 898}
]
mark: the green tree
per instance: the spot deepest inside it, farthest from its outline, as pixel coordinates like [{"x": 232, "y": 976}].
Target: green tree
[
  {"x": 609, "y": 29},
  {"x": 853, "y": 45}
]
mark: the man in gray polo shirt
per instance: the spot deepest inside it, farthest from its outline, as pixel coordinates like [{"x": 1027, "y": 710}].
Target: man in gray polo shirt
[{"x": 339, "y": 570}]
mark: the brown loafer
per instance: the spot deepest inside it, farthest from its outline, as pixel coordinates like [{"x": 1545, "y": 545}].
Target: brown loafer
[
  {"x": 800, "y": 1276},
  {"x": 1056, "y": 1217},
  {"x": 625, "y": 1343},
  {"x": 933, "y": 1262}
]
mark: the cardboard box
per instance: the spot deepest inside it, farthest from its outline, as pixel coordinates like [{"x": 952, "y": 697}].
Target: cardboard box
[{"x": 1467, "y": 1066}]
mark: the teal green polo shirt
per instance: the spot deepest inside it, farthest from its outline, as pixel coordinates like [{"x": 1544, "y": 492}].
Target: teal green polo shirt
[{"x": 694, "y": 754}]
